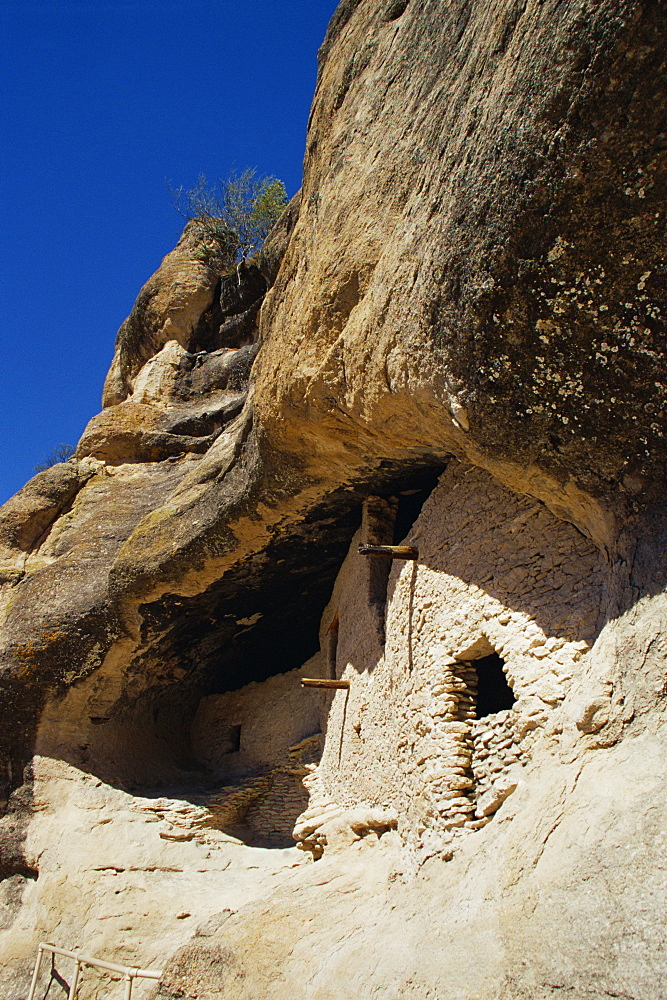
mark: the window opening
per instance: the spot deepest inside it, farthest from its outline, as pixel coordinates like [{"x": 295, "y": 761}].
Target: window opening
[{"x": 494, "y": 693}]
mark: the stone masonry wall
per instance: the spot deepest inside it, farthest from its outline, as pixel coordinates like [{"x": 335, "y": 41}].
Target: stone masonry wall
[
  {"x": 497, "y": 572},
  {"x": 257, "y": 743}
]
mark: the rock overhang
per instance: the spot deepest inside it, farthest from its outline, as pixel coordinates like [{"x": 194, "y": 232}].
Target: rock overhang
[
  {"x": 262, "y": 616},
  {"x": 519, "y": 259}
]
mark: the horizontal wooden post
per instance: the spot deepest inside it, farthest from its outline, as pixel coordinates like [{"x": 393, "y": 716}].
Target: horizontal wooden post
[
  {"x": 390, "y": 551},
  {"x": 323, "y": 682}
]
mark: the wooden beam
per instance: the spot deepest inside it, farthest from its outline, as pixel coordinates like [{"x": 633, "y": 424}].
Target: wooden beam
[
  {"x": 323, "y": 682},
  {"x": 390, "y": 551}
]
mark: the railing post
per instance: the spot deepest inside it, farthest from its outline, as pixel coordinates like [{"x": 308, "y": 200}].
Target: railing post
[
  {"x": 35, "y": 975},
  {"x": 128, "y": 986},
  {"x": 75, "y": 980}
]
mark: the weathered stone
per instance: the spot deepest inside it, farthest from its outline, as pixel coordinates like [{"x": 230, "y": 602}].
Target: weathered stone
[
  {"x": 30, "y": 513},
  {"x": 502, "y": 787},
  {"x": 469, "y": 291}
]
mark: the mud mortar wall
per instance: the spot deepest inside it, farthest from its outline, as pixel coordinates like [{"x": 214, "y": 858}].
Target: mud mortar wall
[{"x": 496, "y": 572}]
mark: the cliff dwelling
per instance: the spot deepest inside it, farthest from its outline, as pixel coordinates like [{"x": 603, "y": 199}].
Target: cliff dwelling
[
  {"x": 412, "y": 453},
  {"x": 483, "y": 633},
  {"x": 453, "y": 661},
  {"x": 225, "y": 724}
]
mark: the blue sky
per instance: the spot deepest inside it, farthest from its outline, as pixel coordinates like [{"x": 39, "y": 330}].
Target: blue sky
[{"x": 103, "y": 103}]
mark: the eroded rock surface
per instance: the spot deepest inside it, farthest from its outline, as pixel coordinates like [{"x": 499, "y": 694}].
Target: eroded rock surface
[{"x": 453, "y": 339}]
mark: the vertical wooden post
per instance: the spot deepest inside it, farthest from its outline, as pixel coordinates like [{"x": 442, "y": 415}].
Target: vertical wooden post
[
  {"x": 128, "y": 986},
  {"x": 379, "y": 517},
  {"x": 332, "y": 646},
  {"x": 35, "y": 975},
  {"x": 75, "y": 980}
]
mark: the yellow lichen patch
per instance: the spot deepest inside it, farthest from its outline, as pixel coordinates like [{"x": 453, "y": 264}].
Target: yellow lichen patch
[{"x": 27, "y": 652}]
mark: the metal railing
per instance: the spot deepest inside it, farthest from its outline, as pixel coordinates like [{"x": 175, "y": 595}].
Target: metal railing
[{"x": 129, "y": 973}]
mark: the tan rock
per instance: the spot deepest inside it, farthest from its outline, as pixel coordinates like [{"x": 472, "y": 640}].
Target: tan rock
[
  {"x": 30, "y": 513},
  {"x": 456, "y": 352},
  {"x": 169, "y": 307}
]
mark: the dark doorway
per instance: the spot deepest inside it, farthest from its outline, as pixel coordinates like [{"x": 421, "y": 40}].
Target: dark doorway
[
  {"x": 332, "y": 647},
  {"x": 231, "y": 739},
  {"x": 410, "y": 503},
  {"x": 493, "y": 693}
]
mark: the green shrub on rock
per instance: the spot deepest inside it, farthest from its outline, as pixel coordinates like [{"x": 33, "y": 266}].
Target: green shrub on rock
[{"x": 237, "y": 214}]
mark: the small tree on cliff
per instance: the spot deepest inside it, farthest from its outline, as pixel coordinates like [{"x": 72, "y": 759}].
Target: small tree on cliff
[
  {"x": 237, "y": 213},
  {"x": 61, "y": 453}
]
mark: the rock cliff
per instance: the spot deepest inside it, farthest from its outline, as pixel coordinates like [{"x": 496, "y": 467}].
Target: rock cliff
[{"x": 454, "y": 340}]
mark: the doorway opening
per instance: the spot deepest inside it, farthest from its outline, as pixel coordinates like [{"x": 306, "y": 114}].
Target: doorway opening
[
  {"x": 230, "y": 739},
  {"x": 494, "y": 693}
]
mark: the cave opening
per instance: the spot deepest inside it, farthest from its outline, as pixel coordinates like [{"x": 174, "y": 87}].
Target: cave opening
[
  {"x": 494, "y": 693},
  {"x": 227, "y": 726},
  {"x": 411, "y": 501}
]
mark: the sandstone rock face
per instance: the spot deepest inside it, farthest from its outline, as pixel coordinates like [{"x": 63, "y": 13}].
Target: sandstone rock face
[
  {"x": 120, "y": 875},
  {"x": 474, "y": 268},
  {"x": 454, "y": 339}
]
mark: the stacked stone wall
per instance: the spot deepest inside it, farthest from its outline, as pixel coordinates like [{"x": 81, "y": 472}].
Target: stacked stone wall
[{"x": 257, "y": 744}]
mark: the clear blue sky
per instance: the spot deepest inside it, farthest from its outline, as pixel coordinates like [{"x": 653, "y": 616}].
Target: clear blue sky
[{"x": 103, "y": 102}]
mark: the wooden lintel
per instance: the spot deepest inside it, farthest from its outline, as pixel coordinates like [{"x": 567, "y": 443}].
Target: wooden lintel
[
  {"x": 390, "y": 551},
  {"x": 323, "y": 682}
]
